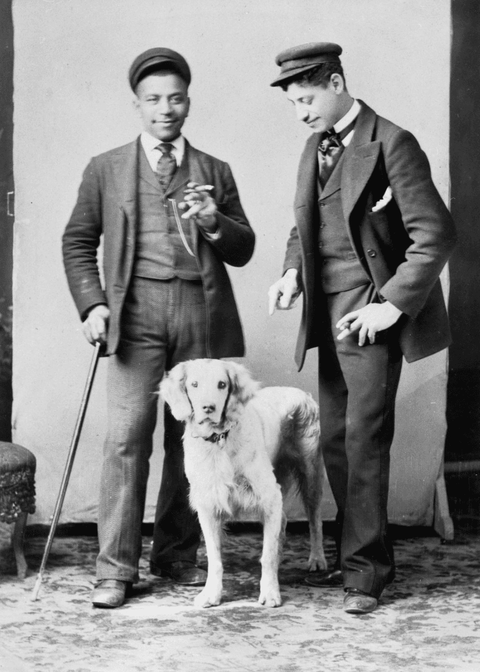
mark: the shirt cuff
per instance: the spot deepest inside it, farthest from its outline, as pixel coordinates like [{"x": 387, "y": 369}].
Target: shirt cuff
[{"x": 211, "y": 235}]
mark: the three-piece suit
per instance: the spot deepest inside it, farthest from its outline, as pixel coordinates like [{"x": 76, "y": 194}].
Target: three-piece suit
[
  {"x": 166, "y": 306},
  {"x": 377, "y": 231}
]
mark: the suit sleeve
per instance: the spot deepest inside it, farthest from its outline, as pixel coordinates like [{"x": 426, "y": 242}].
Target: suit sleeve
[
  {"x": 426, "y": 219},
  {"x": 293, "y": 256},
  {"x": 236, "y": 240},
  {"x": 80, "y": 245}
]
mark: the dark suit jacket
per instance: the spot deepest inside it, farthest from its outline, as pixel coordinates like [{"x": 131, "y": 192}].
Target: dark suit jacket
[
  {"x": 403, "y": 247},
  {"x": 107, "y": 205}
]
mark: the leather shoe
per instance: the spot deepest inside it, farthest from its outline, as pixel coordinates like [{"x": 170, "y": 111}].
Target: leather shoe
[
  {"x": 109, "y": 593},
  {"x": 333, "y": 579},
  {"x": 358, "y": 602},
  {"x": 183, "y": 573}
]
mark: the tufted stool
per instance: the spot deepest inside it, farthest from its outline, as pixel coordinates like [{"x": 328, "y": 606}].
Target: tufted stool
[{"x": 17, "y": 495}]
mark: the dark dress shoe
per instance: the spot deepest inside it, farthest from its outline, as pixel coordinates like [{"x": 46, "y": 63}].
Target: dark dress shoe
[
  {"x": 183, "y": 573},
  {"x": 332, "y": 579},
  {"x": 358, "y": 602},
  {"x": 109, "y": 593}
]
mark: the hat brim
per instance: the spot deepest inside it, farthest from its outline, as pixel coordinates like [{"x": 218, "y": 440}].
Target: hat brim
[{"x": 291, "y": 74}]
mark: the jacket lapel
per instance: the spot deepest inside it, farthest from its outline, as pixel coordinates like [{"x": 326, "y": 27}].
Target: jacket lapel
[
  {"x": 124, "y": 168},
  {"x": 199, "y": 164},
  {"x": 307, "y": 192},
  {"x": 360, "y": 158}
]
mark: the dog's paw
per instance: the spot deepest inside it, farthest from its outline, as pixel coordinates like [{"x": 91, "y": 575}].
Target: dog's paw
[
  {"x": 208, "y": 598},
  {"x": 317, "y": 562},
  {"x": 270, "y": 596}
]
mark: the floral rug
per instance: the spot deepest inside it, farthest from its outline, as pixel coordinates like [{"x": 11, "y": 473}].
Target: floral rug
[{"x": 429, "y": 619}]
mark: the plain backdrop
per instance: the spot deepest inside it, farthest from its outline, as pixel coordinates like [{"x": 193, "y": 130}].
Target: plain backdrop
[{"x": 72, "y": 101}]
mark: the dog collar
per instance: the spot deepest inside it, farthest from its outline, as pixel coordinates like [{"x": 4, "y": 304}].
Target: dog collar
[
  {"x": 217, "y": 438},
  {"x": 221, "y": 438}
]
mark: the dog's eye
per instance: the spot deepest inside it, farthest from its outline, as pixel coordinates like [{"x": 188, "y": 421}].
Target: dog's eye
[
  {"x": 194, "y": 383},
  {"x": 222, "y": 385}
]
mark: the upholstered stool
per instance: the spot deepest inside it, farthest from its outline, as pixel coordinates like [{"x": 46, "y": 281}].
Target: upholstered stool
[{"x": 17, "y": 495}]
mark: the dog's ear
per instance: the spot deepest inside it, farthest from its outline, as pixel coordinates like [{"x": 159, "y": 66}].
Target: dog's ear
[
  {"x": 173, "y": 391},
  {"x": 242, "y": 385}
]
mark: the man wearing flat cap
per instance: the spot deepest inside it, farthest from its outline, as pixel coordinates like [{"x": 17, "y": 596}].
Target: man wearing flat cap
[
  {"x": 370, "y": 240},
  {"x": 170, "y": 218}
]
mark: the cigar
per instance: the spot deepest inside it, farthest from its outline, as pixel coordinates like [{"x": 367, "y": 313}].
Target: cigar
[{"x": 201, "y": 187}]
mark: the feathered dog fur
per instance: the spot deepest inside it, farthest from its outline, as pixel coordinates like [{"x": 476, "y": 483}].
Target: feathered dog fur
[{"x": 244, "y": 448}]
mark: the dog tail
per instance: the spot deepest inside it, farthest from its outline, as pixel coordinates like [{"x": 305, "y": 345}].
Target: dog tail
[
  {"x": 300, "y": 454},
  {"x": 306, "y": 418}
]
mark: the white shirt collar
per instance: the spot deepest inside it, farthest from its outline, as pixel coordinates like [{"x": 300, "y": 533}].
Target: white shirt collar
[
  {"x": 150, "y": 145},
  {"x": 352, "y": 114}
]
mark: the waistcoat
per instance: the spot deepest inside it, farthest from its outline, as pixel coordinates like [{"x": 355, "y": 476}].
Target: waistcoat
[
  {"x": 159, "y": 252},
  {"x": 340, "y": 268}
]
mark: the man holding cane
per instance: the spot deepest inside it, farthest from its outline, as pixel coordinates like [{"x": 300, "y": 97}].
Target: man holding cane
[{"x": 166, "y": 298}]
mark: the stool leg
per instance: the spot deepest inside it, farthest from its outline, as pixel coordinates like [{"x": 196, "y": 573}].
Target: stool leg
[{"x": 18, "y": 536}]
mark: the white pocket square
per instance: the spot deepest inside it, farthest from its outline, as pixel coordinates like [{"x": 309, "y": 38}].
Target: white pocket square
[{"x": 386, "y": 198}]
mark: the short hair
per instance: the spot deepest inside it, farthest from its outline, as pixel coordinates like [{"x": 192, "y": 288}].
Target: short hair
[{"x": 320, "y": 75}]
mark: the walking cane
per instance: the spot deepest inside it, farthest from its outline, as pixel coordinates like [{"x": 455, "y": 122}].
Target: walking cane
[{"x": 68, "y": 466}]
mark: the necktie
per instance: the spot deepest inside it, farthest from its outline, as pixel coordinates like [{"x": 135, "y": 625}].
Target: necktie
[
  {"x": 166, "y": 165},
  {"x": 330, "y": 150}
]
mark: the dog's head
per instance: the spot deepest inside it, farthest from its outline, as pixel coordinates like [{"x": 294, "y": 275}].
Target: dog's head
[{"x": 209, "y": 392}]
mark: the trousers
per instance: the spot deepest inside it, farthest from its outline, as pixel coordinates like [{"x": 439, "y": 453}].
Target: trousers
[
  {"x": 163, "y": 323},
  {"x": 357, "y": 390}
]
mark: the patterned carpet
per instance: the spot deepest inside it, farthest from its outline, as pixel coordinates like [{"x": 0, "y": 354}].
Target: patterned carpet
[{"x": 429, "y": 619}]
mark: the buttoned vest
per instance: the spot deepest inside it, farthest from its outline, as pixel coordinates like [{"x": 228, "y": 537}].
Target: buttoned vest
[
  {"x": 339, "y": 268},
  {"x": 159, "y": 252}
]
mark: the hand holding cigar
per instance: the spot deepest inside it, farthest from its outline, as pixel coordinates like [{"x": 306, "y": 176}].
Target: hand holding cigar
[
  {"x": 368, "y": 321},
  {"x": 200, "y": 204}
]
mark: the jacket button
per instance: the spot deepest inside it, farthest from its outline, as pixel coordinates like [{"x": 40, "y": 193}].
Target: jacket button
[{"x": 371, "y": 253}]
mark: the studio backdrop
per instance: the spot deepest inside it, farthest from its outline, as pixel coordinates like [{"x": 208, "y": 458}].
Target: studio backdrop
[{"x": 72, "y": 101}]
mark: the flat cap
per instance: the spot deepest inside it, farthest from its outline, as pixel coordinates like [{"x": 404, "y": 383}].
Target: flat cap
[
  {"x": 149, "y": 60},
  {"x": 299, "y": 59}
]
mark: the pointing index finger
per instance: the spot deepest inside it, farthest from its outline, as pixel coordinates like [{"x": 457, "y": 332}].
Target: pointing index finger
[{"x": 272, "y": 300}]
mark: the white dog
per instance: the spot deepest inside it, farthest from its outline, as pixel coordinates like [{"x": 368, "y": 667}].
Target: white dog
[{"x": 244, "y": 447}]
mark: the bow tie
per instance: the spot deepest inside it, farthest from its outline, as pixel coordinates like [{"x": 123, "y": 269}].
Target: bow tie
[{"x": 331, "y": 139}]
